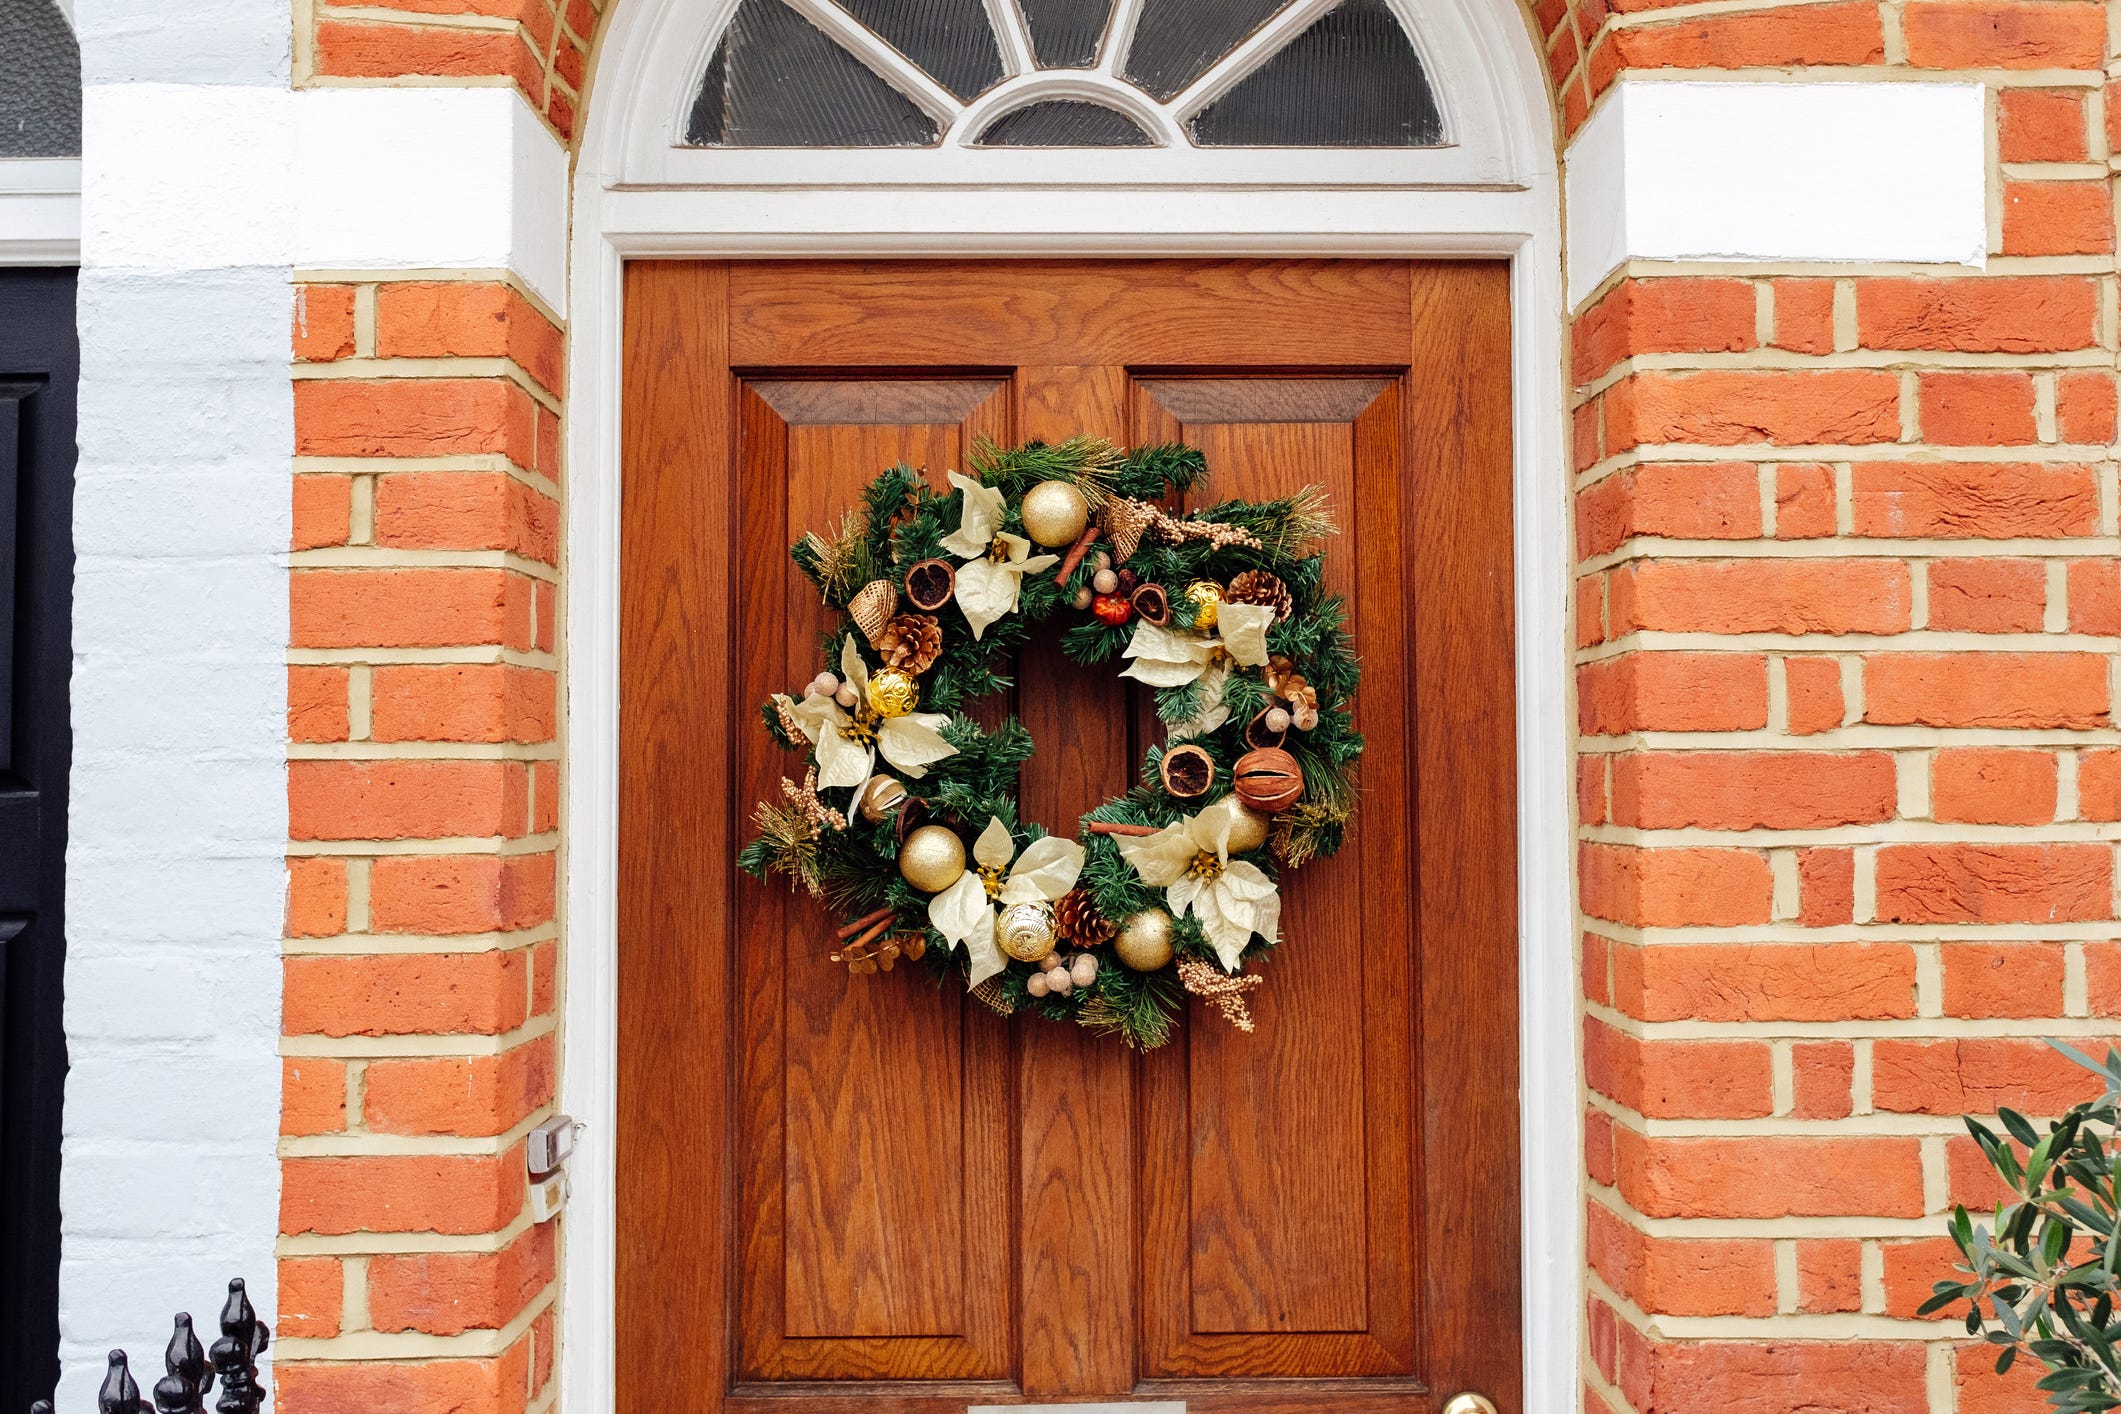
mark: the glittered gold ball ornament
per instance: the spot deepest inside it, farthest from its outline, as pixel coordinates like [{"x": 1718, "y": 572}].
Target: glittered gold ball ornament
[
  {"x": 881, "y": 798},
  {"x": 932, "y": 858},
  {"x": 1248, "y": 828},
  {"x": 1025, "y": 931},
  {"x": 1055, "y": 514},
  {"x": 1144, "y": 944},
  {"x": 893, "y": 693},
  {"x": 1203, "y": 602}
]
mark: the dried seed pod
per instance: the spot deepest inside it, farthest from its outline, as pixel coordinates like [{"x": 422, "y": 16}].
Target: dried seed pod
[
  {"x": 1153, "y": 604},
  {"x": 1269, "y": 780},
  {"x": 911, "y": 643},
  {"x": 1260, "y": 587},
  {"x": 1261, "y": 730},
  {"x": 1187, "y": 772},
  {"x": 930, "y": 584}
]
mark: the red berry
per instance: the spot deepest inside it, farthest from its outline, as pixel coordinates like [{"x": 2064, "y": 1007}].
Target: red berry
[{"x": 1112, "y": 608}]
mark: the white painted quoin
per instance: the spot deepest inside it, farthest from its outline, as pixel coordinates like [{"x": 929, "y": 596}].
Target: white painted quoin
[{"x": 208, "y": 183}]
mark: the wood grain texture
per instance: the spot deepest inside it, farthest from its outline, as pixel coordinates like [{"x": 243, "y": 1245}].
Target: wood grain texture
[
  {"x": 1009, "y": 314},
  {"x": 1464, "y": 686},
  {"x": 865, "y": 1194},
  {"x": 675, "y": 860}
]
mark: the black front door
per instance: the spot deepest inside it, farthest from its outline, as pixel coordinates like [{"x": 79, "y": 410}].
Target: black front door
[{"x": 39, "y": 361}]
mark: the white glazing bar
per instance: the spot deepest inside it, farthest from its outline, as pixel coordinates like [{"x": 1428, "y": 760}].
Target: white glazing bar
[
  {"x": 1119, "y": 38},
  {"x": 1265, "y": 43},
  {"x": 893, "y": 67},
  {"x": 1015, "y": 38}
]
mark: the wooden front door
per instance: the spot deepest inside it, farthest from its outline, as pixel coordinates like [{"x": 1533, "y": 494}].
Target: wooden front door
[{"x": 864, "y": 1193}]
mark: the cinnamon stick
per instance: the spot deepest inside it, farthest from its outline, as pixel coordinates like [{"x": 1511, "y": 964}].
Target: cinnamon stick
[
  {"x": 1113, "y": 827},
  {"x": 860, "y": 923},
  {"x": 1076, "y": 553},
  {"x": 871, "y": 936}
]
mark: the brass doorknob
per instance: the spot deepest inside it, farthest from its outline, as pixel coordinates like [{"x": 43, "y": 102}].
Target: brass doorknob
[{"x": 1469, "y": 1403}]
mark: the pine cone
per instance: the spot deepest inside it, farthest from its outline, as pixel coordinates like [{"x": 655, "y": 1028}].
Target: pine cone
[
  {"x": 1260, "y": 587},
  {"x": 1076, "y": 921},
  {"x": 911, "y": 643}
]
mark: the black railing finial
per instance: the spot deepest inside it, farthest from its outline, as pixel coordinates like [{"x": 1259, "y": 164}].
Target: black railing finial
[
  {"x": 235, "y": 1354},
  {"x": 119, "y": 1394}
]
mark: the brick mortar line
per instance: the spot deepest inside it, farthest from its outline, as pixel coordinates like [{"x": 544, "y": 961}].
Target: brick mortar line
[
  {"x": 381, "y": 276},
  {"x": 1877, "y": 1125},
  {"x": 387, "y": 656},
  {"x": 1906, "y": 831},
  {"x": 341, "y": 1144},
  {"x": 1868, "y": 454},
  {"x": 422, "y": 369},
  {"x": 502, "y": 845},
  {"x": 373, "y": 557},
  {"x": 1860, "y": 736},
  {"x": 314, "y": 1046},
  {"x": 1639, "y": 549},
  {"x": 393, "y": 1244},
  {"x": 1862, "y": 1229},
  {"x": 1794, "y": 1326},
  {"x": 1911, "y": 640},
  {"x": 361, "y": 1347},
  {"x": 428, "y": 19},
  {"x": 1766, "y": 359},
  {"x": 1777, "y": 934},
  {"x": 423, "y": 750},
  {"x": 2068, "y": 1028},
  {"x": 545, "y": 486},
  {"x": 420, "y": 944}
]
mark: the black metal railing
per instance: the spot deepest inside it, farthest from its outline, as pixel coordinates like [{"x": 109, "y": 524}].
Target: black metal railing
[{"x": 194, "y": 1370}]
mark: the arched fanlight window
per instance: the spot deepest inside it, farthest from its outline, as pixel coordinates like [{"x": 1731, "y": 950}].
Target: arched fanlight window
[
  {"x": 40, "y": 84},
  {"x": 1065, "y": 73}
]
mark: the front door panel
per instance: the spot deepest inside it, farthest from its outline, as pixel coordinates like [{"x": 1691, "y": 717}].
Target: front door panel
[{"x": 842, "y": 1193}]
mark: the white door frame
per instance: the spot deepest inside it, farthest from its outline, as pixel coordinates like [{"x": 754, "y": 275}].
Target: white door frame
[{"x": 622, "y": 212}]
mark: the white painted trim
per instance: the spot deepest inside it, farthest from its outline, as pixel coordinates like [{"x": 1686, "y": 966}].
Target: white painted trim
[
  {"x": 40, "y": 211},
  {"x": 633, "y": 201},
  {"x": 1466, "y": 46},
  {"x": 210, "y": 176},
  {"x": 1778, "y": 172}
]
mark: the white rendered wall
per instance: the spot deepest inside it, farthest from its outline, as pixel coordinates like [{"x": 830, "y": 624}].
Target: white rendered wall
[
  {"x": 1777, "y": 172},
  {"x": 175, "y": 874}
]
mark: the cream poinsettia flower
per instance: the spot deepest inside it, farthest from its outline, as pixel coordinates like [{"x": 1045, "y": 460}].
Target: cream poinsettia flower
[
  {"x": 848, "y": 742},
  {"x": 1190, "y": 861},
  {"x": 965, "y": 912},
  {"x": 1166, "y": 657},
  {"x": 991, "y": 583}
]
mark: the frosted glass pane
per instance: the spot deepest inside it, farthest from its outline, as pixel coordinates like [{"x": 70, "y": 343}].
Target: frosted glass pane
[
  {"x": 1176, "y": 41},
  {"x": 1064, "y": 122},
  {"x": 40, "y": 81},
  {"x": 1351, "y": 80},
  {"x": 1066, "y": 34},
  {"x": 777, "y": 81},
  {"x": 951, "y": 39}
]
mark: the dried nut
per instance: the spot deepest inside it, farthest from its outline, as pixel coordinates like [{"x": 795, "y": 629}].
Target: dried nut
[
  {"x": 1277, "y": 719},
  {"x": 1104, "y": 581},
  {"x": 1083, "y": 596}
]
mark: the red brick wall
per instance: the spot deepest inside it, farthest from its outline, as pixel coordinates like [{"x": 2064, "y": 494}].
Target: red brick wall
[
  {"x": 422, "y": 967},
  {"x": 1847, "y": 621}
]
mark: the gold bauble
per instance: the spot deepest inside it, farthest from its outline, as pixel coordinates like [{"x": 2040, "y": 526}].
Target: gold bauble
[
  {"x": 1145, "y": 943},
  {"x": 893, "y": 693},
  {"x": 1025, "y": 931},
  {"x": 882, "y": 797},
  {"x": 1204, "y": 597},
  {"x": 1055, "y": 514},
  {"x": 1248, "y": 828},
  {"x": 932, "y": 858}
]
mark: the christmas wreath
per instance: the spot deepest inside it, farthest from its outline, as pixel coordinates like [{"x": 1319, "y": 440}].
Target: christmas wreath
[{"x": 907, "y": 819}]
